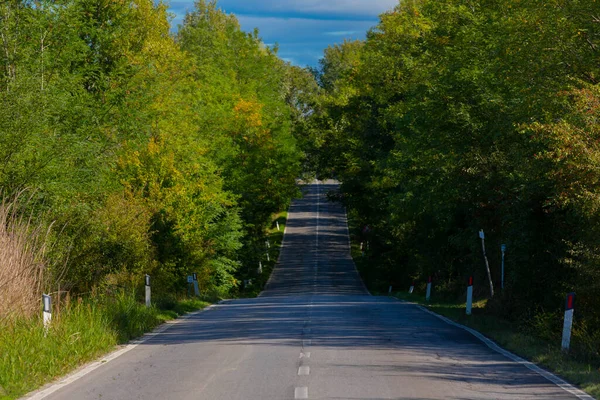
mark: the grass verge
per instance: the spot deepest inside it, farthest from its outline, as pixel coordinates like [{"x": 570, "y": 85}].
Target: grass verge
[{"x": 31, "y": 356}]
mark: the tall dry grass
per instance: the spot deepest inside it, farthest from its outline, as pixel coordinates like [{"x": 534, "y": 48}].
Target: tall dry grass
[{"x": 23, "y": 246}]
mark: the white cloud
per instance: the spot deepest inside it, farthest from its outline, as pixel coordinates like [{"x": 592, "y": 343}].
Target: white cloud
[
  {"x": 366, "y": 9},
  {"x": 342, "y": 33},
  {"x": 296, "y": 30}
]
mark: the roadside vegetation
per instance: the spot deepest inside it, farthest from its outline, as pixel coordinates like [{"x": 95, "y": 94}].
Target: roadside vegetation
[{"x": 456, "y": 116}]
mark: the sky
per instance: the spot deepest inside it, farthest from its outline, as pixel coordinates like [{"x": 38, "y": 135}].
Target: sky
[{"x": 301, "y": 28}]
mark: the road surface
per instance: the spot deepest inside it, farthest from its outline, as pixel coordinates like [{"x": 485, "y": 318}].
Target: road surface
[{"x": 314, "y": 333}]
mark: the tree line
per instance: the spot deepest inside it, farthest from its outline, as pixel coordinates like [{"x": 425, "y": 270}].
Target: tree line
[
  {"x": 455, "y": 116},
  {"x": 144, "y": 151}
]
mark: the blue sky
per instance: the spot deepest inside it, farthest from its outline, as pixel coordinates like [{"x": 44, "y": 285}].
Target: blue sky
[{"x": 302, "y": 28}]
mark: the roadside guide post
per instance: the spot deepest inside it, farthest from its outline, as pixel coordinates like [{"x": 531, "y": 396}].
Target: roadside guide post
[
  {"x": 470, "y": 295},
  {"x": 411, "y": 288},
  {"x": 428, "y": 293},
  {"x": 196, "y": 288},
  {"x": 47, "y": 313},
  {"x": 569, "y": 309},
  {"x": 148, "y": 303},
  {"x": 277, "y": 222},
  {"x": 259, "y": 267},
  {"x": 390, "y": 290}
]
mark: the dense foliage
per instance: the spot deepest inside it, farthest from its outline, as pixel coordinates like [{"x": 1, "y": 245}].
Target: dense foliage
[
  {"x": 148, "y": 152},
  {"x": 458, "y": 115}
]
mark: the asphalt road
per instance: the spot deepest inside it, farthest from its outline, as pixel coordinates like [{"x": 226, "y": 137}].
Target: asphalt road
[{"x": 314, "y": 333}]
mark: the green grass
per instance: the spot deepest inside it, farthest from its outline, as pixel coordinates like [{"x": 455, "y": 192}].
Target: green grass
[
  {"x": 508, "y": 335},
  {"x": 30, "y": 356}
]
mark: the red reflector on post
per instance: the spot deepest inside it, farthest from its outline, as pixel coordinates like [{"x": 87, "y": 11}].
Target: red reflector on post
[
  {"x": 470, "y": 281},
  {"x": 429, "y": 280},
  {"x": 570, "y": 301}
]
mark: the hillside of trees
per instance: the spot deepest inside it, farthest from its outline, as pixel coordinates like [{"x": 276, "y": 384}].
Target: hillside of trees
[
  {"x": 455, "y": 116},
  {"x": 126, "y": 149}
]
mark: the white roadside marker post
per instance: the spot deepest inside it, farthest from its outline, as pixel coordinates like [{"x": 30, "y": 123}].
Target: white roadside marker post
[
  {"x": 569, "y": 309},
  {"x": 47, "y": 313},
  {"x": 411, "y": 288},
  {"x": 148, "y": 302},
  {"x": 268, "y": 244},
  {"x": 259, "y": 267},
  {"x": 390, "y": 290},
  {"x": 196, "y": 288},
  {"x": 428, "y": 293},
  {"x": 362, "y": 249},
  {"x": 268, "y": 257},
  {"x": 503, "y": 249},
  {"x": 470, "y": 296},
  {"x": 277, "y": 222}
]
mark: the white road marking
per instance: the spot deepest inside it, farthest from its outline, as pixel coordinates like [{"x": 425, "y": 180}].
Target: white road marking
[
  {"x": 305, "y": 354},
  {"x": 43, "y": 393},
  {"x": 489, "y": 343},
  {"x": 304, "y": 370},
  {"x": 301, "y": 393}
]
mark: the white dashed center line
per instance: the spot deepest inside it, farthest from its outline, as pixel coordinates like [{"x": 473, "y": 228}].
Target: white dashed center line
[
  {"x": 304, "y": 370},
  {"x": 301, "y": 393}
]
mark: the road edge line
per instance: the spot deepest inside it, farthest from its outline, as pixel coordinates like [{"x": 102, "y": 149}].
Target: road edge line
[
  {"x": 561, "y": 383},
  {"x": 84, "y": 370}
]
